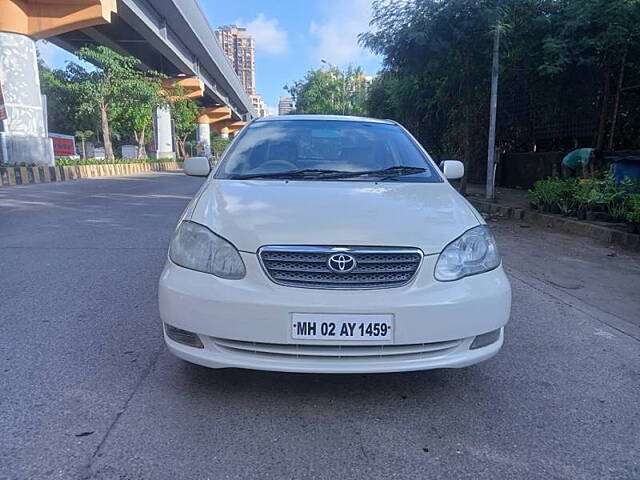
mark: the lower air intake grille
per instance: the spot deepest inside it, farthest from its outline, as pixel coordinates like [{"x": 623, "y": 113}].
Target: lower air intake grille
[{"x": 289, "y": 351}]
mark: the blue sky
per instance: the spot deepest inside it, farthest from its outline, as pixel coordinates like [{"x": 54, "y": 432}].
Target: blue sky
[{"x": 291, "y": 37}]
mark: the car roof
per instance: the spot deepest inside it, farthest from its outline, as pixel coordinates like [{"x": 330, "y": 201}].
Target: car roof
[{"x": 342, "y": 118}]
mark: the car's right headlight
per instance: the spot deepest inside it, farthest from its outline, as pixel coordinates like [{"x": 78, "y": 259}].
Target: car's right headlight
[
  {"x": 196, "y": 247},
  {"x": 475, "y": 251}
]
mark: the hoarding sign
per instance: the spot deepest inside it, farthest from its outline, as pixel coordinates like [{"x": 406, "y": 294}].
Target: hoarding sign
[{"x": 63, "y": 145}]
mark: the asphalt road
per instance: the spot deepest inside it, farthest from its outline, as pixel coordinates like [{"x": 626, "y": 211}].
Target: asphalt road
[{"x": 89, "y": 391}]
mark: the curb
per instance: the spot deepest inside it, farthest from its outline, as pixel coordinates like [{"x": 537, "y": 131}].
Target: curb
[
  {"x": 10, "y": 176},
  {"x": 606, "y": 235}
]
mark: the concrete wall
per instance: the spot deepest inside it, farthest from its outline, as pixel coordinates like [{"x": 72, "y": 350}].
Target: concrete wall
[
  {"x": 25, "y": 149},
  {"x": 24, "y": 136}
]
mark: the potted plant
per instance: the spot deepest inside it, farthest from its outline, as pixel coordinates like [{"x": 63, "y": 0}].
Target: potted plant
[
  {"x": 632, "y": 214},
  {"x": 546, "y": 193},
  {"x": 566, "y": 197},
  {"x": 586, "y": 195}
]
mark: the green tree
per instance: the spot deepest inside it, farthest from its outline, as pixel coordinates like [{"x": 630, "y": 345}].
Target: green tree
[
  {"x": 134, "y": 115},
  {"x": 183, "y": 112},
  {"x": 218, "y": 144},
  {"x": 63, "y": 112},
  {"x": 116, "y": 89},
  {"x": 437, "y": 53},
  {"x": 83, "y": 136},
  {"x": 569, "y": 73},
  {"x": 331, "y": 91},
  {"x": 595, "y": 35}
]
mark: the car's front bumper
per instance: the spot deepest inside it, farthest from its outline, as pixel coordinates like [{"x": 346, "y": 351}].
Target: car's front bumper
[{"x": 247, "y": 323}]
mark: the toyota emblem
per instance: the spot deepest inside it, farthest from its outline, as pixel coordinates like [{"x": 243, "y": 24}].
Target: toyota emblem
[{"x": 341, "y": 263}]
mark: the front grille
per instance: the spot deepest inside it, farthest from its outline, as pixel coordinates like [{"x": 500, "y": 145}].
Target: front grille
[
  {"x": 319, "y": 352},
  {"x": 308, "y": 266}
]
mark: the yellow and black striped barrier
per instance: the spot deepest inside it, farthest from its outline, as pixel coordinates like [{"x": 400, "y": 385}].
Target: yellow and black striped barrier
[{"x": 10, "y": 176}]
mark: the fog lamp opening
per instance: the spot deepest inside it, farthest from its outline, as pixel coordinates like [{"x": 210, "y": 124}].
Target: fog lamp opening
[
  {"x": 485, "y": 339},
  {"x": 184, "y": 337}
]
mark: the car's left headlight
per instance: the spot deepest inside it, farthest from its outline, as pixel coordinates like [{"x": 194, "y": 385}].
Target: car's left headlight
[
  {"x": 472, "y": 253},
  {"x": 196, "y": 247}
]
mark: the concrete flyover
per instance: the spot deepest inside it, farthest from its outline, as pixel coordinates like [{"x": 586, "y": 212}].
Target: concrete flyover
[{"x": 169, "y": 36}]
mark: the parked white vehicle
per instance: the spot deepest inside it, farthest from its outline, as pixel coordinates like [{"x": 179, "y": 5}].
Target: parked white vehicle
[{"x": 331, "y": 244}]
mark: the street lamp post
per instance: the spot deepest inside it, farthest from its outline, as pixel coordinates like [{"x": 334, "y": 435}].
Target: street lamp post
[
  {"x": 342, "y": 85},
  {"x": 495, "y": 69}
]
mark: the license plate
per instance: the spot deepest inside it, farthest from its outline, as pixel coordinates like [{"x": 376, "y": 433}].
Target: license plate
[{"x": 313, "y": 326}]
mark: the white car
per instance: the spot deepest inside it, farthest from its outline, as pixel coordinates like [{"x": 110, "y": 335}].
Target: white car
[{"x": 331, "y": 245}]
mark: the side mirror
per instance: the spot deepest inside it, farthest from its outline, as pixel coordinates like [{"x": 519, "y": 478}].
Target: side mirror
[
  {"x": 197, "y": 166},
  {"x": 452, "y": 169}
]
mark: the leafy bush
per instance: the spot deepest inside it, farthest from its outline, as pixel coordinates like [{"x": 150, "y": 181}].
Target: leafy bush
[
  {"x": 586, "y": 194},
  {"x": 547, "y": 192},
  {"x": 67, "y": 161},
  {"x": 103, "y": 161},
  {"x": 21, "y": 164},
  {"x": 219, "y": 145},
  {"x": 612, "y": 197},
  {"x": 600, "y": 193},
  {"x": 554, "y": 192},
  {"x": 632, "y": 215},
  {"x": 567, "y": 201}
]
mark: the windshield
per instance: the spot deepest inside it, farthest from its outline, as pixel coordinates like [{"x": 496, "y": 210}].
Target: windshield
[{"x": 326, "y": 149}]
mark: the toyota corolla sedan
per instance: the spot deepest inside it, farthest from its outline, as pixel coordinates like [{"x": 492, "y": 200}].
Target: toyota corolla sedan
[{"x": 331, "y": 245}]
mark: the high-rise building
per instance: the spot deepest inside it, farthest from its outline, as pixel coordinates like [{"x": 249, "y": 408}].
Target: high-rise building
[
  {"x": 259, "y": 105},
  {"x": 238, "y": 46},
  {"x": 285, "y": 105}
]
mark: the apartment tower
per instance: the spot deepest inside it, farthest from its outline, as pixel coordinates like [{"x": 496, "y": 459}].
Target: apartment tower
[
  {"x": 285, "y": 105},
  {"x": 238, "y": 46}
]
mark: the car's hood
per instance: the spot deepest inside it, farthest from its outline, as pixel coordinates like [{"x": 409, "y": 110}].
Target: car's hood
[{"x": 251, "y": 214}]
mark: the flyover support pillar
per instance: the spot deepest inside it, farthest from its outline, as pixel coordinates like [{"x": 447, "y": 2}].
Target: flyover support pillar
[
  {"x": 163, "y": 133},
  {"x": 23, "y": 136},
  {"x": 203, "y": 135}
]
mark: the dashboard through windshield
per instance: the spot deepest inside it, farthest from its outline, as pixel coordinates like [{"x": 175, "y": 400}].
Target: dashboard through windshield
[{"x": 326, "y": 150}]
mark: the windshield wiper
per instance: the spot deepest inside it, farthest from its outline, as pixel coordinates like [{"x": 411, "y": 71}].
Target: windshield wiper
[
  {"x": 287, "y": 174},
  {"x": 387, "y": 173}
]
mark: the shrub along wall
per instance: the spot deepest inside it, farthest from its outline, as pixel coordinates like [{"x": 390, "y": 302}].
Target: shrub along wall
[
  {"x": 601, "y": 198},
  {"x": 43, "y": 174},
  {"x": 103, "y": 161}
]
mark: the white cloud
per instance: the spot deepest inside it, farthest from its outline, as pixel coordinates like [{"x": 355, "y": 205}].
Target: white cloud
[
  {"x": 269, "y": 37},
  {"x": 336, "y": 37}
]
